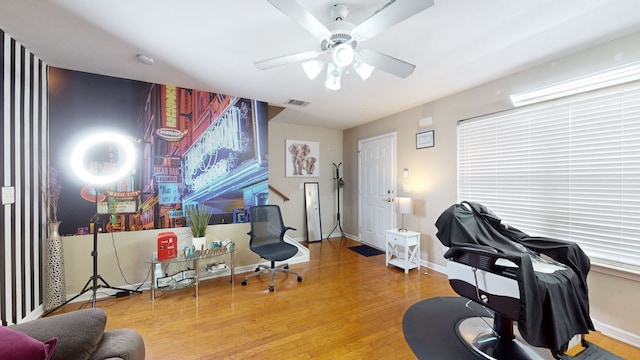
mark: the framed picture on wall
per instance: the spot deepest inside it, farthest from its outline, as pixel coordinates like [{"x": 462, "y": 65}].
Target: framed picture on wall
[
  {"x": 302, "y": 158},
  {"x": 425, "y": 139}
]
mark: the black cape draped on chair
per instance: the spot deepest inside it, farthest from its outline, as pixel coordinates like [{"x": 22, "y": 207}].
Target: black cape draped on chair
[{"x": 554, "y": 306}]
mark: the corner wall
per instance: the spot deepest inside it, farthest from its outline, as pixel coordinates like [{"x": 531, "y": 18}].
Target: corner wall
[{"x": 330, "y": 152}]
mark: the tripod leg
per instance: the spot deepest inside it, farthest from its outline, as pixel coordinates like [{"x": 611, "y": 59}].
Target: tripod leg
[
  {"x": 106, "y": 285},
  {"x": 84, "y": 290},
  {"x": 334, "y": 228},
  {"x": 339, "y": 224},
  {"x": 90, "y": 285}
]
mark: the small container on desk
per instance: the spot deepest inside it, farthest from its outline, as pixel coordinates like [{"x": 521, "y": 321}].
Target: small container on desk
[
  {"x": 190, "y": 277},
  {"x": 403, "y": 249}
]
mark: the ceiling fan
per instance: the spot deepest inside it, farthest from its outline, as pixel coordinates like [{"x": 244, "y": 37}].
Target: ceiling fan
[{"x": 339, "y": 41}]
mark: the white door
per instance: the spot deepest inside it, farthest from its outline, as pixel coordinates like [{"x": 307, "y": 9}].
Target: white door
[{"x": 376, "y": 173}]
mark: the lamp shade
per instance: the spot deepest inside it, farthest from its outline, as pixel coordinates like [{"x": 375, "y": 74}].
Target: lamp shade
[
  {"x": 403, "y": 205},
  {"x": 334, "y": 73},
  {"x": 312, "y": 68},
  {"x": 363, "y": 69},
  {"x": 343, "y": 55}
]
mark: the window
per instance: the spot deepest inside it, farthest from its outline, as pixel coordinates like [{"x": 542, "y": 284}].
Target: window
[{"x": 567, "y": 169}]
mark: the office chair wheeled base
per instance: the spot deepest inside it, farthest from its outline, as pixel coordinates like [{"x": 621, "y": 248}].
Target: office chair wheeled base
[
  {"x": 479, "y": 335},
  {"x": 263, "y": 269}
]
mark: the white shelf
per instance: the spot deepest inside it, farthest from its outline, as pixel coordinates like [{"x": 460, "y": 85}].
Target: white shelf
[
  {"x": 218, "y": 270},
  {"x": 402, "y": 264}
]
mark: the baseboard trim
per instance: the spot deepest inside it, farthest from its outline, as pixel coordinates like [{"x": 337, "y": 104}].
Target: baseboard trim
[
  {"x": 618, "y": 334},
  {"x": 433, "y": 266}
]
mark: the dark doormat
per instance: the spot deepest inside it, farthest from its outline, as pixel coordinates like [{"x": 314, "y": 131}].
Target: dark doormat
[{"x": 366, "y": 250}]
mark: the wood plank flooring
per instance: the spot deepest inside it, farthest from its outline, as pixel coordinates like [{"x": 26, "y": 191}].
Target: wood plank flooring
[{"x": 347, "y": 307}]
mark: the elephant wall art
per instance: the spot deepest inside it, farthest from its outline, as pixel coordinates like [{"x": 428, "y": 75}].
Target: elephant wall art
[{"x": 302, "y": 158}]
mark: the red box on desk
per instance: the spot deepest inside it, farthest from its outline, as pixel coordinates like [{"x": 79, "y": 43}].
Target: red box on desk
[{"x": 167, "y": 246}]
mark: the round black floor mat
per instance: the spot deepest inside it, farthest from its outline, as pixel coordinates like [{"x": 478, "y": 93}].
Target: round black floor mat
[{"x": 429, "y": 328}]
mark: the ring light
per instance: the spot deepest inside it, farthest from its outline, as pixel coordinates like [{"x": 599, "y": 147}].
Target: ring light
[
  {"x": 77, "y": 158},
  {"x": 122, "y": 166}
]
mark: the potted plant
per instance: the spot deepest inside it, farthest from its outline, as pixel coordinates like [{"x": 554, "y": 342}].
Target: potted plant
[{"x": 199, "y": 218}]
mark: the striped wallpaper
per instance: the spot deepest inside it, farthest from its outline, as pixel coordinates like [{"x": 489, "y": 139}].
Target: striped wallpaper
[{"x": 24, "y": 121}]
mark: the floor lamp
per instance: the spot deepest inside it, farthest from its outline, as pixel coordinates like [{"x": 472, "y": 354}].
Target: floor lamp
[{"x": 79, "y": 167}]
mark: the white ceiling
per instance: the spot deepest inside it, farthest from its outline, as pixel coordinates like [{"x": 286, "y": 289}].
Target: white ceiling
[{"x": 212, "y": 45}]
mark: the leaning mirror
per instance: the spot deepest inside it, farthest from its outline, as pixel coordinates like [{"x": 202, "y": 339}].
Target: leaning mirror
[{"x": 312, "y": 211}]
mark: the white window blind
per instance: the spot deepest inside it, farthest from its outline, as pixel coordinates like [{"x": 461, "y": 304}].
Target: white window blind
[{"x": 568, "y": 169}]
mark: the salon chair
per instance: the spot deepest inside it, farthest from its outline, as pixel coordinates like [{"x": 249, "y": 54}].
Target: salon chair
[
  {"x": 491, "y": 281},
  {"x": 537, "y": 283}
]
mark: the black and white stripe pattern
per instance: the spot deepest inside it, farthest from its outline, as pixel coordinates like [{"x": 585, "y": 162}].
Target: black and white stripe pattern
[{"x": 23, "y": 162}]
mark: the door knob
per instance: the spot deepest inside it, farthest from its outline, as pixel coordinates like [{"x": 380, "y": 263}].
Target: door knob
[{"x": 387, "y": 200}]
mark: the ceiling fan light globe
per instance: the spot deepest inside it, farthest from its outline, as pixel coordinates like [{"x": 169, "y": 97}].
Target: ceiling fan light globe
[
  {"x": 343, "y": 55},
  {"x": 332, "y": 83},
  {"x": 334, "y": 73},
  {"x": 363, "y": 69},
  {"x": 312, "y": 68}
]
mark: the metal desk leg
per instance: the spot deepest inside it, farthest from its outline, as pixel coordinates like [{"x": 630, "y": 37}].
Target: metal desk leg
[
  {"x": 153, "y": 282},
  {"x": 196, "y": 266},
  {"x": 232, "y": 270}
]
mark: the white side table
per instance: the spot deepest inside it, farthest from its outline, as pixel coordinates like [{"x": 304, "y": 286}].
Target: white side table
[{"x": 403, "y": 249}]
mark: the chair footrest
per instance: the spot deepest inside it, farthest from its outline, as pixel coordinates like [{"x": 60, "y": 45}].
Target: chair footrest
[{"x": 591, "y": 352}]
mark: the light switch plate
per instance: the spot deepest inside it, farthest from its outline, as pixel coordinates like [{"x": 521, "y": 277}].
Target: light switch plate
[
  {"x": 406, "y": 188},
  {"x": 8, "y": 195}
]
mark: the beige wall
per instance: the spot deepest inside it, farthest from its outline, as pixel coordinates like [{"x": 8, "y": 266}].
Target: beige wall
[
  {"x": 432, "y": 171},
  {"x": 134, "y": 247},
  {"x": 330, "y": 152}
]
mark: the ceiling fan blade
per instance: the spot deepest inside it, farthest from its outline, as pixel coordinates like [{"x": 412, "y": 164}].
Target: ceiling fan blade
[
  {"x": 286, "y": 59},
  {"x": 387, "y": 63},
  {"x": 391, "y": 14},
  {"x": 296, "y": 12}
]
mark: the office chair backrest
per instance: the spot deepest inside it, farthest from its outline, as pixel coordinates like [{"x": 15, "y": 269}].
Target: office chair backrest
[{"x": 267, "y": 226}]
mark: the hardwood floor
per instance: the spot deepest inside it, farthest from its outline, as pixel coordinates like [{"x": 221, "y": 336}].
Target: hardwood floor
[{"x": 348, "y": 307}]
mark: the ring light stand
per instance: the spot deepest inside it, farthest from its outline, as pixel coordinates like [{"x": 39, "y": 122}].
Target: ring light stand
[{"x": 97, "y": 180}]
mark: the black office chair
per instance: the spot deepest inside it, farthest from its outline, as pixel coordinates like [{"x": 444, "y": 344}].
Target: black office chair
[{"x": 267, "y": 240}]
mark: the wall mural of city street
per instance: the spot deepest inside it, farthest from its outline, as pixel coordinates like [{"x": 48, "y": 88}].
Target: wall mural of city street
[{"x": 193, "y": 147}]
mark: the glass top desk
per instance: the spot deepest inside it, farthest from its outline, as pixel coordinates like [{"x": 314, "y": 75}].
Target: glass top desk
[{"x": 195, "y": 261}]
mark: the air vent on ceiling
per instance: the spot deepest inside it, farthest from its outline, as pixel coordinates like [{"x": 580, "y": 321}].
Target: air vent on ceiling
[{"x": 297, "y": 102}]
